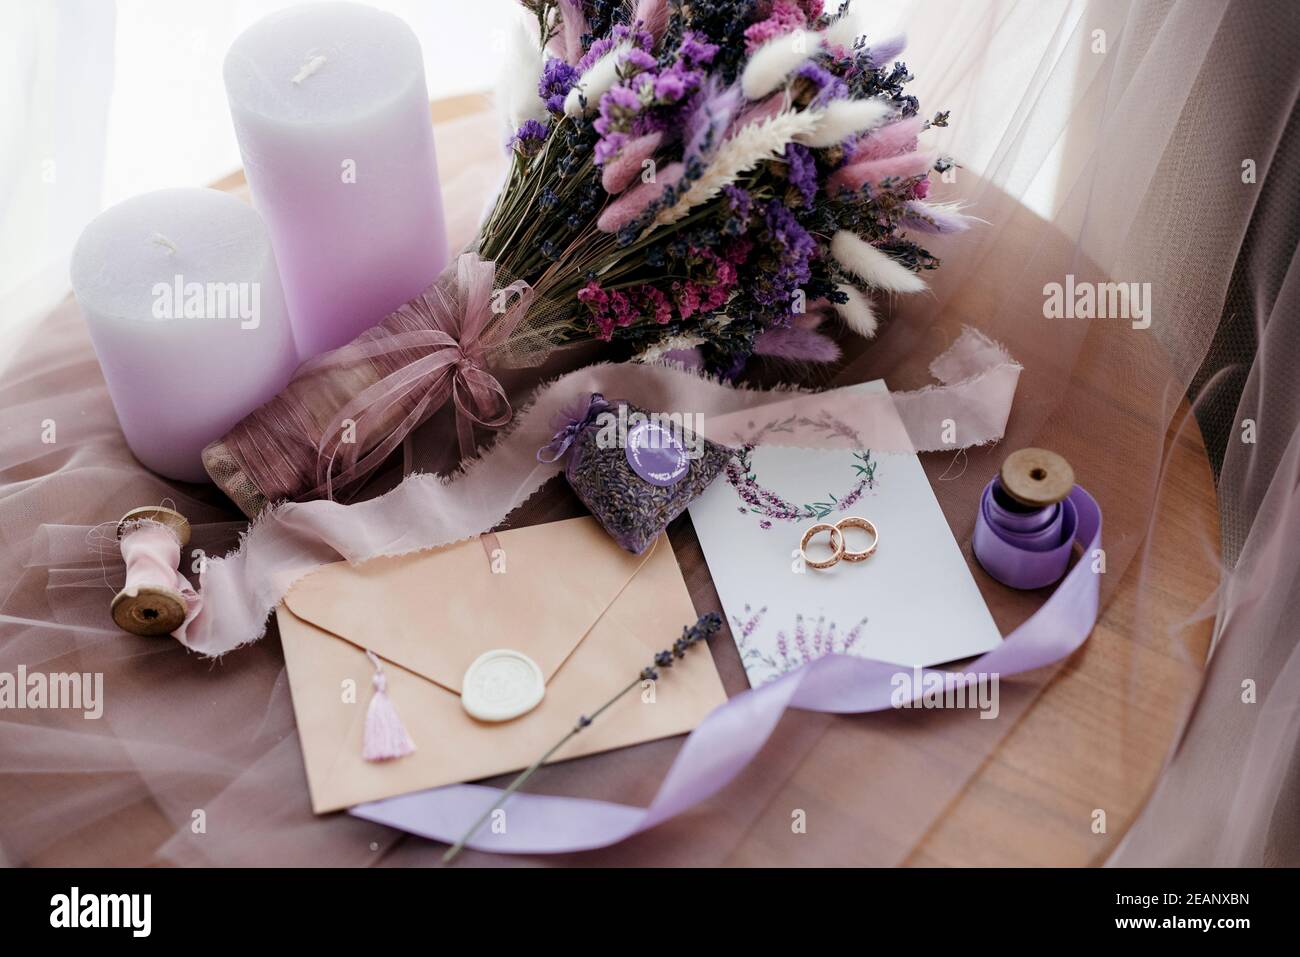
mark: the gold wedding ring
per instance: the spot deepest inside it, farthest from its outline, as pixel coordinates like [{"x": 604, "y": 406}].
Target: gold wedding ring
[
  {"x": 838, "y": 550},
  {"x": 837, "y": 545},
  {"x": 853, "y": 521}
]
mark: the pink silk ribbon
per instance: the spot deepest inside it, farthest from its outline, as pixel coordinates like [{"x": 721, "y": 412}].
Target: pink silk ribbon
[
  {"x": 465, "y": 323},
  {"x": 734, "y": 732},
  {"x": 977, "y": 383}
]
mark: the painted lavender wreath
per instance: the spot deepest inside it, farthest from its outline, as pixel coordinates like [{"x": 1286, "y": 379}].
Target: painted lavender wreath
[{"x": 706, "y": 179}]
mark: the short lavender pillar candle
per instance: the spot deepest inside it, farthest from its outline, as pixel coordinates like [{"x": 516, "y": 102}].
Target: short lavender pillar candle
[
  {"x": 180, "y": 290},
  {"x": 332, "y": 115}
]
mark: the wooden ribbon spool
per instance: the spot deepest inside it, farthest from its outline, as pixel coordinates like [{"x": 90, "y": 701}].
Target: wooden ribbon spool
[
  {"x": 1036, "y": 478},
  {"x": 151, "y": 610}
]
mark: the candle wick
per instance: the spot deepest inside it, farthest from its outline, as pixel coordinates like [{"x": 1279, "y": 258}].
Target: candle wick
[
  {"x": 308, "y": 68},
  {"x": 158, "y": 239}
]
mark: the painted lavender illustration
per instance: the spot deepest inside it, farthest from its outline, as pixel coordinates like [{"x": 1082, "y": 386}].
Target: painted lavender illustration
[{"x": 808, "y": 640}]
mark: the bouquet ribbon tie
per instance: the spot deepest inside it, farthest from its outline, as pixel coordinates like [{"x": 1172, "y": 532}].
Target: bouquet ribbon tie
[{"x": 455, "y": 326}]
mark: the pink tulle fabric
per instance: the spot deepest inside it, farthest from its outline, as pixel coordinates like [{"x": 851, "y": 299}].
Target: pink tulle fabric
[{"x": 1127, "y": 165}]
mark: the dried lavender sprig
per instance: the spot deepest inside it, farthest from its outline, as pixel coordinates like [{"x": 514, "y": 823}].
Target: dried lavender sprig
[{"x": 704, "y": 629}]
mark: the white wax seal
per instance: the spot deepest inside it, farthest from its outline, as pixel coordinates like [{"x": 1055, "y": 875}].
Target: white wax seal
[{"x": 501, "y": 684}]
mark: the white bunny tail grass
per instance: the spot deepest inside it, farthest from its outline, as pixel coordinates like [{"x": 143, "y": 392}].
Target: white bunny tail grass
[
  {"x": 872, "y": 266},
  {"x": 857, "y": 312},
  {"x": 592, "y": 85},
  {"x": 775, "y": 60},
  {"x": 842, "y": 119},
  {"x": 752, "y": 145},
  {"x": 517, "y": 81},
  {"x": 845, "y": 31}
]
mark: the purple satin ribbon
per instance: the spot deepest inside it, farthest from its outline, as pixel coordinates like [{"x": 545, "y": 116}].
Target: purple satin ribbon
[
  {"x": 734, "y": 732},
  {"x": 1021, "y": 546},
  {"x": 575, "y": 420}
]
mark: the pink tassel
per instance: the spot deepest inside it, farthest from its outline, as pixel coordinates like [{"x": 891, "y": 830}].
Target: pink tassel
[
  {"x": 386, "y": 736},
  {"x": 637, "y": 199},
  {"x": 857, "y": 175},
  {"x": 620, "y": 172}
]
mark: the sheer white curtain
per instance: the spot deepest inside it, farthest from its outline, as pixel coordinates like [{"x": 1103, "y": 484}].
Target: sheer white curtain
[
  {"x": 101, "y": 100},
  {"x": 56, "y": 79},
  {"x": 1105, "y": 138}
]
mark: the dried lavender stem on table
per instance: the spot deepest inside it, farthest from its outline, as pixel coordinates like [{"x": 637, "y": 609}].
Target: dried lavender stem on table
[{"x": 704, "y": 629}]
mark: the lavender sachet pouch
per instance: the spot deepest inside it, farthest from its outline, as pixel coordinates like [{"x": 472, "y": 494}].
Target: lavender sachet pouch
[{"x": 635, "y": 470}]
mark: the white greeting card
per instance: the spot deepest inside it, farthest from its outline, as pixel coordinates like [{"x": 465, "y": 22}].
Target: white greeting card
[{"x": 914, "y": 602}]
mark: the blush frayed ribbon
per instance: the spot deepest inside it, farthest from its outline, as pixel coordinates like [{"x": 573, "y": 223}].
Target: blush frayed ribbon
[
  {"x": 977, "y": 382},
  {"x": 734, "y": 732},
  {"x": 464, "y": 321}
]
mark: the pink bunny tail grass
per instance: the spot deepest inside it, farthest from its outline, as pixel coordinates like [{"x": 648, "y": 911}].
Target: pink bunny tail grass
[
  {"x": 637, "y": 199},
  {"x": 620, "y": 172},
  {"x": 817, "y": 313},
  {"x": 691, "y": 359},
  {"x": 887, "y": 141},
  {"x": 795, "y": 344},
  {"x": 653, "y": 16},
  {"x": 934, "y": 218},
  {"x": 856, "y": 175},
  {"x": 573, "y": 24},
  {"x": 707, "y": 124},
  {"x": 385, "y": 735},
  {"x": 760, "y": 111},
  {"x": 881, "y": 53}
]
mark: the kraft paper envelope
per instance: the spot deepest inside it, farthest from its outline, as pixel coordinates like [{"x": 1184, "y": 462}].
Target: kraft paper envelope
[{"x": 590, "y": 614}]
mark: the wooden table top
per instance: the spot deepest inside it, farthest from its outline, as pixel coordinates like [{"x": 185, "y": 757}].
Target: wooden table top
[{"x": 1086, "y": 743}]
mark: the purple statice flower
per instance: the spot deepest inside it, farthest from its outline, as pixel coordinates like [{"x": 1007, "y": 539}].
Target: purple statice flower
[
  {"x": 647, "y": 99},
  {"x": 791, "y": 250},
  {"x": 640, "y": 40},
  {"x": 740, "y": 204},
  {"x": 530, "y": 136},
  {"x": 694, "y": 52},
  {"x": 619, "y": 108},
  {"x": 557, "y": 80},
  {"x": 827, "y": 85},
  {"x": 637, "y": 61},
  {"x": 670, "y": 86},
  {"x": 801, "y": 171}
]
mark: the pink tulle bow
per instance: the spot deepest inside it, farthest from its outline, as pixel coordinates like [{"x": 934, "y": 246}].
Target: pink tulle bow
[{"x": 464, "y": 320}]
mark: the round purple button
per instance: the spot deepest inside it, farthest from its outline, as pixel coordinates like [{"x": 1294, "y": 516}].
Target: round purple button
[{"x": 655, "y": 454}]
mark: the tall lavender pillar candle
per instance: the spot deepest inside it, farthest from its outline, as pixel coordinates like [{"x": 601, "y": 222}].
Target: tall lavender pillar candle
[
  {"x": 332, "y": 115},
  {"x": 180, "y": 290}
]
